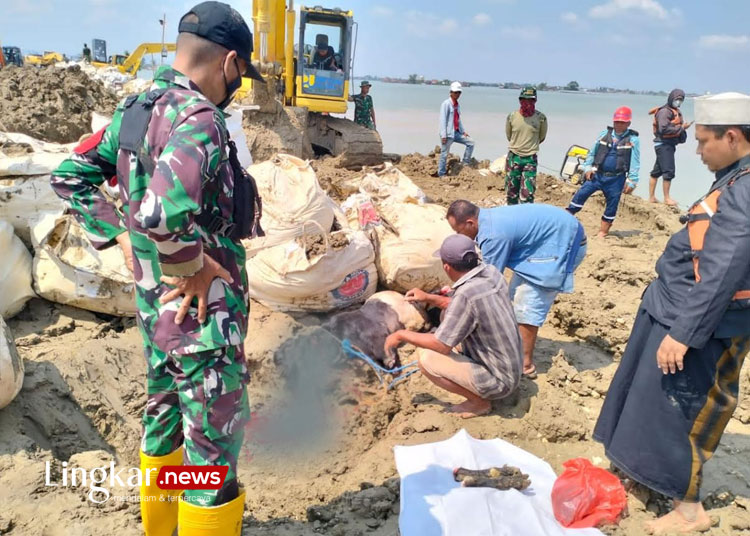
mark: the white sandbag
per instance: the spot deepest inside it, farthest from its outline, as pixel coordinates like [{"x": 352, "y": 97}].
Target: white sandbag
[
  {"x": 283, "y": 278},
  {"x": 11, "y": 366},
  {"x": 15, "y": 273},
  {"x": 412, "y": 315},
  {"x": 291, "y": 196},
  {"x": 391, "y": 184},
  {"x": 25, "y": 200},
  {"x": 44, "y": 157},
  {"x": 67, "y": 269},
  {"x": 136, "y": 85},
  {"x": 498, "y": 165},
  {"x": 406, "y": 239}
]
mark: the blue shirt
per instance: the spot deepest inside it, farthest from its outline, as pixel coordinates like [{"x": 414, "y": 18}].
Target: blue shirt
[
  {"x": 635, "y": 156},
  {"x": 537, "y": 241}
]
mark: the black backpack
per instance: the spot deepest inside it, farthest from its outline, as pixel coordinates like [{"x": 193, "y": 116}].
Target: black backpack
[{"x": 248, "y": 206}]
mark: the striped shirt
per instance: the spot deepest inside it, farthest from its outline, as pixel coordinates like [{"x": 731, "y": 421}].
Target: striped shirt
[{"x": 480, "y": 317}]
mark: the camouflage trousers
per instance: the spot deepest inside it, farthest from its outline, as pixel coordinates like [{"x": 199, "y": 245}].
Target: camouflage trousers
[
  {"x": 199, "y": 400},
  {"x": 520, "y": 178}
]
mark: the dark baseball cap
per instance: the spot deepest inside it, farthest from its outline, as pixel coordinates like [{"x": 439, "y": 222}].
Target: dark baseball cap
[
  {"x": 457, "y": 249},
  {"x": 223, "y": 25}
]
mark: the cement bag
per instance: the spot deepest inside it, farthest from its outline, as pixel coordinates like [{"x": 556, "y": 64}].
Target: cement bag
[
  {"x": 68, "y": 270},
  {"x": 25, "y": 200},
  {"x": 11, "y": 366},
  {"x": 15, "y": 273},
  {"x": 406, "y": 239},
  {"x": 318, "y": 272},
  {"x": 291, "y": 196},
  {"x": 22, "y": 155}
]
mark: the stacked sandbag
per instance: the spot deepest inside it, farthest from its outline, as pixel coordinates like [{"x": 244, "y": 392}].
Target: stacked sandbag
[
  {"x": 68, "y": 270},
  {"x": 25, "y": 191},
  {"x": 15, "y": 273},
  {"x": 291, "y": 196},
  {"x": 406, "y": 239},
  {"x": 11, "y": 366},
  {"x": 317, "y": 272}
]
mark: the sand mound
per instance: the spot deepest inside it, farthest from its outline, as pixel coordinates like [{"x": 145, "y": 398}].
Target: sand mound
[{"x": 52, "y": 104}]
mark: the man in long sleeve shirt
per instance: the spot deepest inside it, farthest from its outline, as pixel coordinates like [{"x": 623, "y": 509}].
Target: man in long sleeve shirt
[
  {"x": 612, "y": 166},
  {"x": 677, "y": 384},
  {"x": 181, "y": 173},
  {"x": 670, "y": 130},
  {"x": 526, "y": 129},
  {"x": 452, "y": 129}
]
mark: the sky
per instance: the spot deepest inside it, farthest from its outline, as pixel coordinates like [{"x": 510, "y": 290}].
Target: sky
[{"x": 698, "y": 45}]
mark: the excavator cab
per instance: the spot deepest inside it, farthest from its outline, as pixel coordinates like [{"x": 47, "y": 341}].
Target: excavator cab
[
  {"x": 324, "y": 59},
  {"x": 13, "y": 56}
]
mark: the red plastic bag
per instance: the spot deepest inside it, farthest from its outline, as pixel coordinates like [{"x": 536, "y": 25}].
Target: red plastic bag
[{"x": 586, "y": 495}]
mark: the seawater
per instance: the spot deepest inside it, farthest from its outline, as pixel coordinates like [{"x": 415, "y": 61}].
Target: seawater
[{"x": 407, "y": 118}]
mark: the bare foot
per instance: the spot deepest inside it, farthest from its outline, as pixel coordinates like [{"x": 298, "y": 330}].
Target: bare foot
[
  {"x": 600, "y": 234},
  {"x": 670, "y": 202},
  {"x": 653, "y": 200},
  {"x": 675, "y": 522},
  {"x": 469, "y": 409}
]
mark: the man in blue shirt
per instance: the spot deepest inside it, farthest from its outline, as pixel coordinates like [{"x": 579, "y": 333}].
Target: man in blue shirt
[
  {"x": 612, "y": 166},
  {"x": 542, "y": 244}
]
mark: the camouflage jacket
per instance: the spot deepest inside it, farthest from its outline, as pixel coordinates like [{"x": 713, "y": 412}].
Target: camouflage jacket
[{"x": 184, "y": 166}]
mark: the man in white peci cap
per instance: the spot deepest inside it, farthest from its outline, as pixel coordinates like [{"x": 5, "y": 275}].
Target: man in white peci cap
[
  {"x": 452, "y": 129},
  {"x": 677, "y": 383}
]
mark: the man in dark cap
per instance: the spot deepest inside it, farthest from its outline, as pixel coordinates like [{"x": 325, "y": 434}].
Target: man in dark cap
[
  {"x": 526, "y": 129},
  {"x": 478, "y": 317},
  {"x": 364, "y": 111},
  {"x": 187, "y": 205}
]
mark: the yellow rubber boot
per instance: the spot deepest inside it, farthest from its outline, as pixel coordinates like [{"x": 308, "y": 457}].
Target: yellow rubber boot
[
  {"x": 158, "y": 507},
  {"x": 222, "y": 520}
]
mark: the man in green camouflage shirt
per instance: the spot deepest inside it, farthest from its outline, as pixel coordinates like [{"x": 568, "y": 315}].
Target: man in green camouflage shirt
[
  {"x": 364, "y": 111},
  {"x": 191, "y": 282}
]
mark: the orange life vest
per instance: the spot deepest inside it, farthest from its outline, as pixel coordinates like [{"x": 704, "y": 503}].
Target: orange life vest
[
  {"x": 676, "y": 120},
  {"x": 698, "y": 222}
]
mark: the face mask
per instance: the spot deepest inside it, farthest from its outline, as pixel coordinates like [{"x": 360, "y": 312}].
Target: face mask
[
  {"x": 677, "y": 103},
  {"x": 232, "y": 88}
]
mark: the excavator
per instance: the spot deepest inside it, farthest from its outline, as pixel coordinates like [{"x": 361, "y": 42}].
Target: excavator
[
  {"x": 314, "y": 73},
  {"x": 131, "y": 64},
  {"x": 42, "y": 60}
]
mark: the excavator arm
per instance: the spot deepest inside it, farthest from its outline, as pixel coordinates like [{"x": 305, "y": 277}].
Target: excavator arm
[{"x": 133, "y": 62}]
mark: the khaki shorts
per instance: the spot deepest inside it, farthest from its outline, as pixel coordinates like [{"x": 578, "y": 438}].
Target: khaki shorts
[{"x": 454, "y": 367}]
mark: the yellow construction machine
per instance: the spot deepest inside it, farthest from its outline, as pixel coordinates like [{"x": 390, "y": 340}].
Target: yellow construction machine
[
  {"x": 132, "y": 63},
  {"x": 48, "y": 58},
  {"x": 313, "y": 73}
]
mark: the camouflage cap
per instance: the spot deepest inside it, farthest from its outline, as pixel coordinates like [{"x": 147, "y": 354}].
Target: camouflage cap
[{"x": 529, "y": 92}]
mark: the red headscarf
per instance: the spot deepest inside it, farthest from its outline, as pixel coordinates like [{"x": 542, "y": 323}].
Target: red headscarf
[{"x": 528, "y": 107}]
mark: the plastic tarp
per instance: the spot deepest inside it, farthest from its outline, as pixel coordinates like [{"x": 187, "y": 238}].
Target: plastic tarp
[
  {"x": 15, "y": 273},
  {"x": 68, "y": 270},
  {"x": 433, "y": 504},
  {"x": 11, "y": 366}
]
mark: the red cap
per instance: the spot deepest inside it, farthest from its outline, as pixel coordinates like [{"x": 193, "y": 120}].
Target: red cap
[{"x": 623, "y": 113}]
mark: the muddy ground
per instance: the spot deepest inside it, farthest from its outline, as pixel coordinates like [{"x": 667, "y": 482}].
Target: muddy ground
[
  {"x": 321, "y": 462},
  {"x": 51, "y": 104}
]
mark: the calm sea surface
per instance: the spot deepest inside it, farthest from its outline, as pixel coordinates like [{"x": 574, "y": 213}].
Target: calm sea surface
[{"x": 407, "y": 117}]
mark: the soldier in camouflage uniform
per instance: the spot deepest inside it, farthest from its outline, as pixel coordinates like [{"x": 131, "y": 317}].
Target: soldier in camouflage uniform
[
  {"x": 197, "y": 374},
  {"x": 364, "y": 111}
]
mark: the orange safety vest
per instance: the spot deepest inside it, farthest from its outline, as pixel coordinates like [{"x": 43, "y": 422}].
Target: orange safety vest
[
  {"x": 698, "y": 222},
  {"x": 676, "y": 120}
]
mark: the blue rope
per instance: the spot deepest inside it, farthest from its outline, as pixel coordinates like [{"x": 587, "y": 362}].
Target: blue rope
[{"x": 351, "y": 351}]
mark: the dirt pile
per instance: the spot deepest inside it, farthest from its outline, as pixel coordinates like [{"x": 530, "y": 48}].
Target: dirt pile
[{"x": 52, "y": 104}]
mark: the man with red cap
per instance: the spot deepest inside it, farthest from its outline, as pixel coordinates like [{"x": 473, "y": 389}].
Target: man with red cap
[{"x": 612, "y": 166}]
